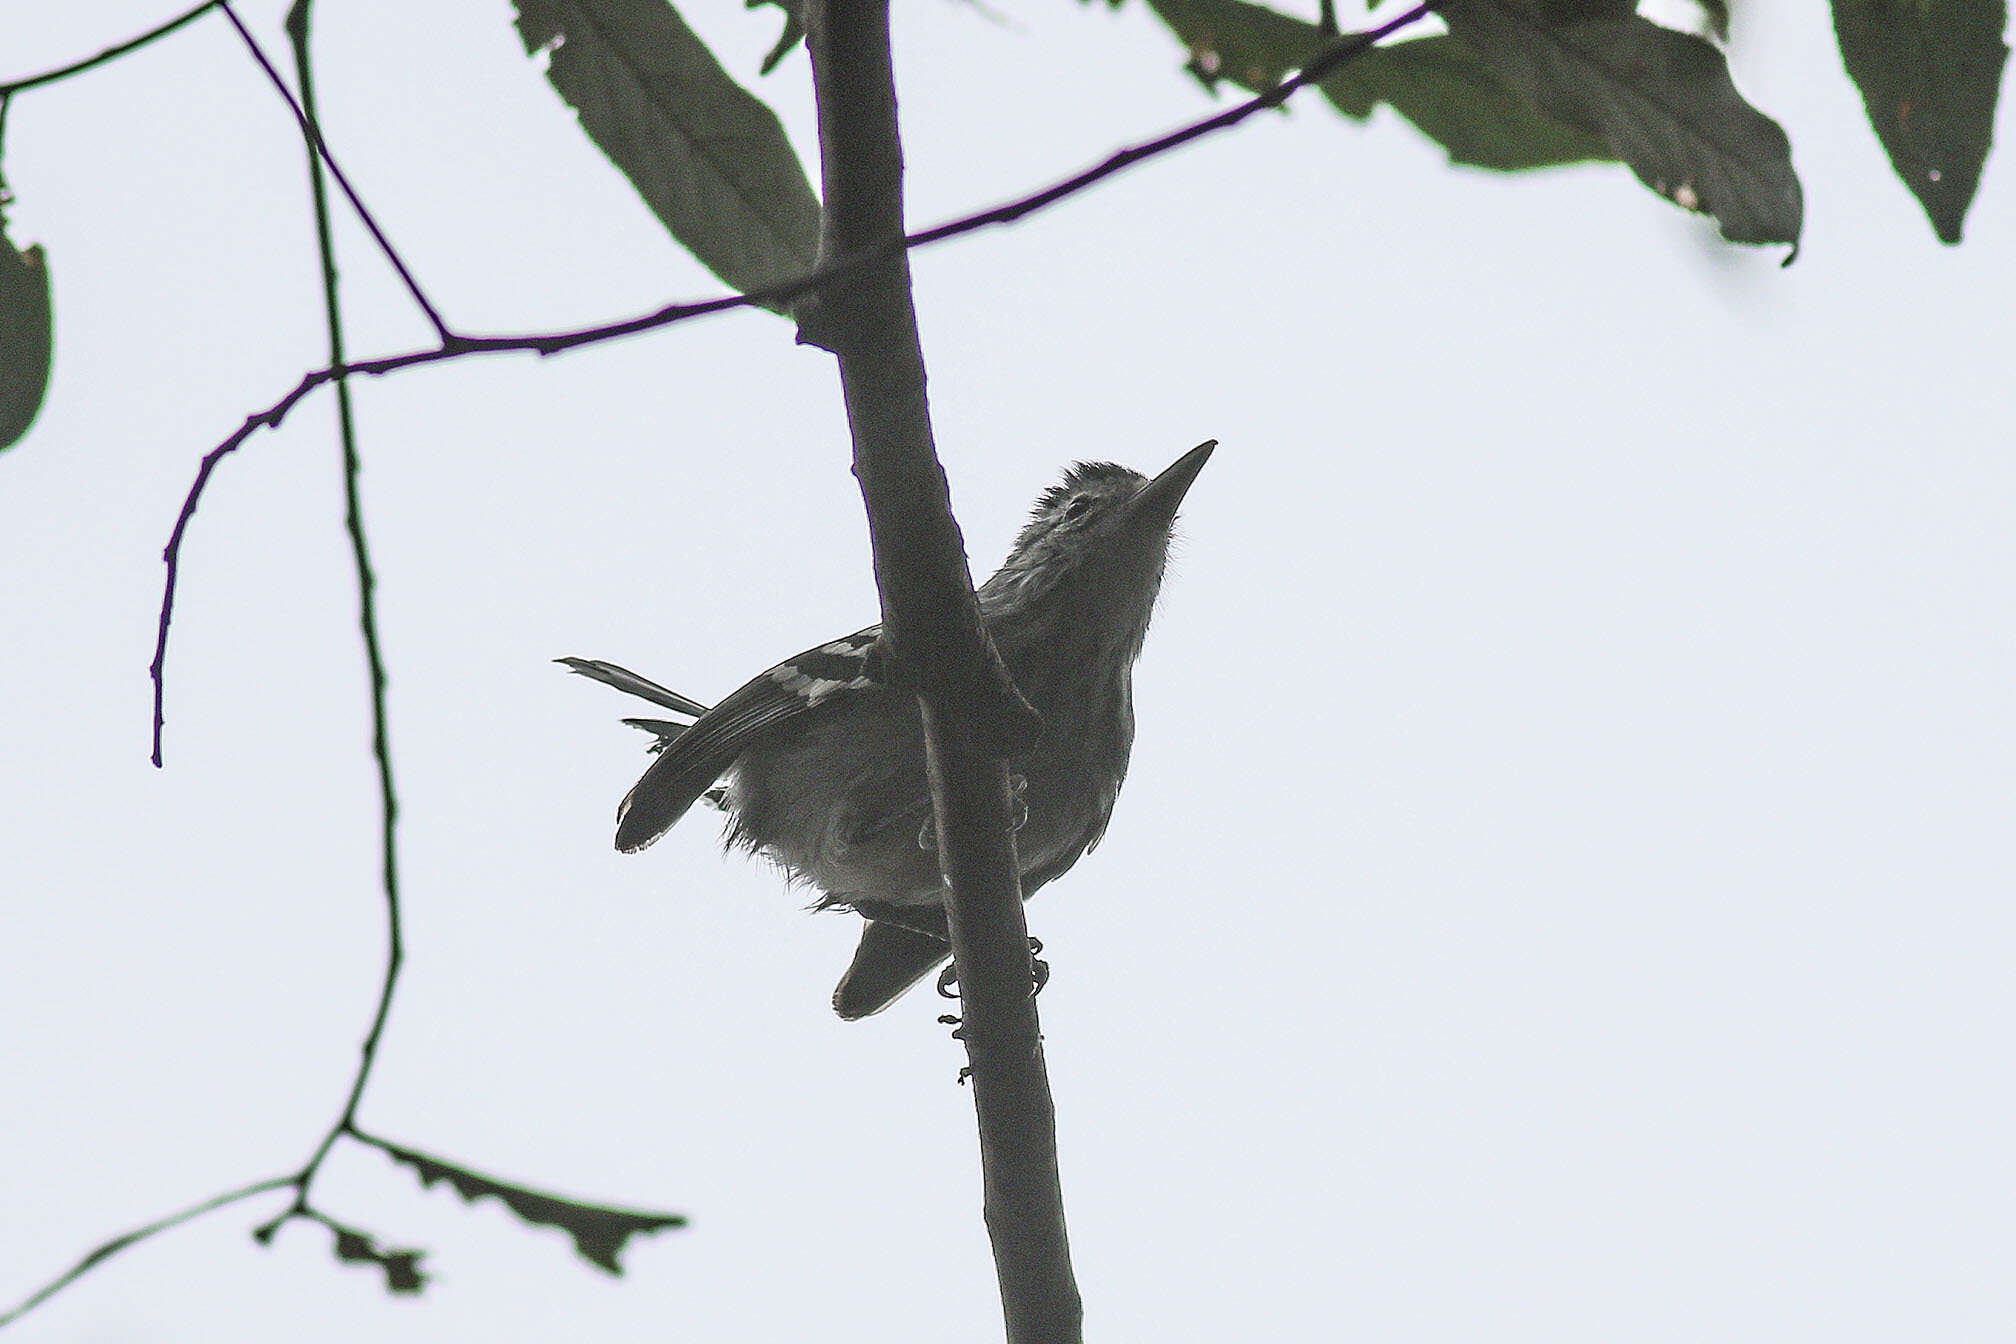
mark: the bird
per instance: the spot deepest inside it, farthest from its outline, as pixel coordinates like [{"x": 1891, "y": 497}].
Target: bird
[{"x": 819, "y": 760}]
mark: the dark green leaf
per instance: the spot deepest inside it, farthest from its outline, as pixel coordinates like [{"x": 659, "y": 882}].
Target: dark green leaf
[
  {"x": 25, "y": 338},
  {"x": 1929, "y": 71},
  {"x": 599, "y": 1233},
  {"x": 1436, "y": 83},
  {"x": 708, "y": 157},
  {"x": 1664, "y": 102},
  {"x": 401, "y": 1267},
  {"x": 1453, "y": 97},
  {"x": 794, "y": 29},
  {"x": 1576, "y": 11}
]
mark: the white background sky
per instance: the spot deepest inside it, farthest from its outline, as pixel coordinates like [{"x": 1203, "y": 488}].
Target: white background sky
[{"x": 1562, "y": 892}]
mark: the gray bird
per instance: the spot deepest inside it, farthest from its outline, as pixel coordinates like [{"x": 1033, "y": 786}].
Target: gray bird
[{"x": 820, "y": 765}]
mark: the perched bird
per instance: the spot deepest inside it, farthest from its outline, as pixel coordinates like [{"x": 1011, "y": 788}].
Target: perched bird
[{"x": 820, "y": 765}]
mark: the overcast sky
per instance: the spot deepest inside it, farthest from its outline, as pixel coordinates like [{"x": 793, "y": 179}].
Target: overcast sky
[{"x": 1561, "y": 894}]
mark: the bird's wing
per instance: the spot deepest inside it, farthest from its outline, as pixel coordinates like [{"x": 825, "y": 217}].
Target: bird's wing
[{"x": 689, "y": 764}]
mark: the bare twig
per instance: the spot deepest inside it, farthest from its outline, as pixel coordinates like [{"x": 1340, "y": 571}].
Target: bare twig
[
  {"x": 367, "y": 615},
  {"x": 138, "y": 1234},
  {"x": 110, "y": 53},
  {"x": 345, "y": 1124},
  {"x": 311, "y": 131},
  {"x": 1328, "y": 62}
]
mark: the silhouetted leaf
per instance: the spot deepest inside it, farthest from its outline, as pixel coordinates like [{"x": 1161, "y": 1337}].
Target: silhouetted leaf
[
  {"x": 1453, "y": 97},
  {"x": 25, "y": 337},
  {"x": 794, "y": 29},
  {"x": 1436, "y": 83},
  {"x": 599, "y": 1233},
  {"x": 401, "y": 1267},
  {"x": 1929, "y": 71},
  {"x": 708, "y": 157},
  {"x": 1662, "y": 99}
]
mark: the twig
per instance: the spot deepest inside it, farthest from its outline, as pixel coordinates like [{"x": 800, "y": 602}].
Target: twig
[
  {"x": 311, "y": 132},
  {"x": 139, "y": 1234},
  {"x": 1331, "y": 59},
  {"x": 367, "y": 616},
  {"x": 110, "y": 53},
  {"x": 302, "y": 1180},
  {"x": 1328, "y": 62}
]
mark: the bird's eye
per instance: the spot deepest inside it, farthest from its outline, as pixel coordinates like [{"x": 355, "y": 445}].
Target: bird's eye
[{"x": 1077, "y": 507}]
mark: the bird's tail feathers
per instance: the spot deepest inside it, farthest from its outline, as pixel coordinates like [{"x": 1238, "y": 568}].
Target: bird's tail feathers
[
  {"x": 623, "y": 679},
  {"x": 888, "y": 962}
]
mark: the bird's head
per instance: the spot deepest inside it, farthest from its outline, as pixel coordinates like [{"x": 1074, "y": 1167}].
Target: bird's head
[{"x": 1099, "y": 539}]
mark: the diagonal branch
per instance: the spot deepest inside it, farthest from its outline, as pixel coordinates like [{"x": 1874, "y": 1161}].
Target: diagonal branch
[{"x": 318, "y": 149}]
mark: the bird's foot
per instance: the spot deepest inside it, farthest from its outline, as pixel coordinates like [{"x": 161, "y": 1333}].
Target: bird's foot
[{"x": 1039, "y": 975}]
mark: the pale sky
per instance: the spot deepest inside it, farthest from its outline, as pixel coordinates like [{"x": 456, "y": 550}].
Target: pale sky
[{"x": 1561, "y": 893}]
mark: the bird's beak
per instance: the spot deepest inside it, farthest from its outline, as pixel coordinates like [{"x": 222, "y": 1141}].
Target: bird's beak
[{"x": 1159, "y": 499}]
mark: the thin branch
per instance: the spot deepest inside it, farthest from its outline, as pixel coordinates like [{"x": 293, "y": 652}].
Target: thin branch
[
  {"x": 137, "y": 1235},
  {"x": 312, "y": 134},
  {"x": 1328, "y": 62},
  {"x": 1332, "y": 58},
  {"x": 367, "y": 616},
  {"x": 110, "y": 53}
]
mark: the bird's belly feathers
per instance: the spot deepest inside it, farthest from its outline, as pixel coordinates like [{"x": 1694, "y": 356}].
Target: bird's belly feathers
[{"x": 866, "y": 845}]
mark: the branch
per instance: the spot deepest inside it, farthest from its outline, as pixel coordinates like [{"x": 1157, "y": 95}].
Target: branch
[
  {"x": 309, "y": 131},
  {"x": 783, "y": 293},
  {"x": 360, "y": 554},
  {"x": 110, "y": 53},
  {"x": 973, "y": 716},
  {"x": 318, "y": 151},
  {"x": 137, "y": 1235},
  {"x": 301, "y": 1181}
]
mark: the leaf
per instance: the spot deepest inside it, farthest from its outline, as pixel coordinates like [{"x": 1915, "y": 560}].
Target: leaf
[
  {"x": 401, "y": 1267},
  {"x": 25, "y": 337},
  {"x": 599, "y": 1233},
  {"x": 1929, "y": 71},
  {"x": 1662, "y": 99},
  {"x": 1452, "y": 96},
  {"x": 709, "y": 158},
  {"x": 793, "y": 34},
  {"x": 1437, "y": 83}
]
